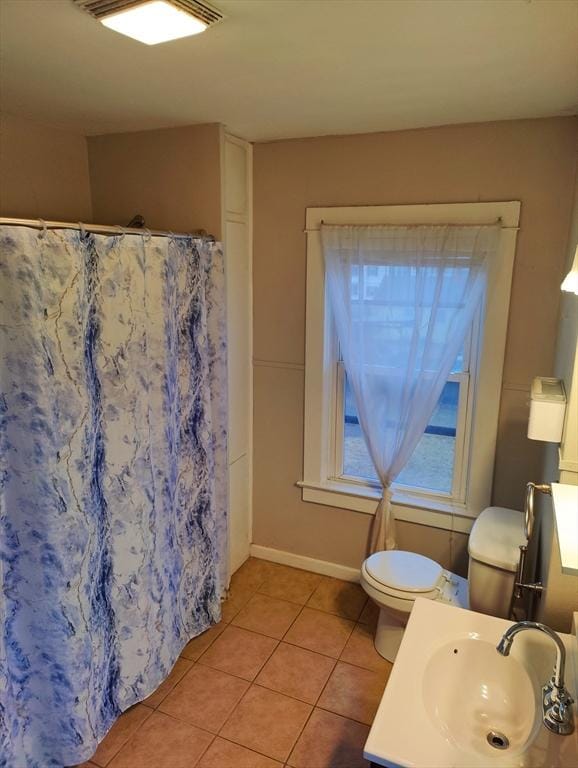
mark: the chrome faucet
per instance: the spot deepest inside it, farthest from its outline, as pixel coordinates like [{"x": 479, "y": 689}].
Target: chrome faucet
[{"x": 556, "y": 701}]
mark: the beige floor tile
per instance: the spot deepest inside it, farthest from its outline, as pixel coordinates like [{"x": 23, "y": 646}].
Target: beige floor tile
[
  {"x": 225, "y": 754},
  {"x": 198, "y": 645},
  {"x": 360, "y": 650},
  {"x": 296, "y": 672},
  {"x": 330, "y": 741},
  {"x": 267, "y": 722},
  {"x": 353, "y": 692},
  {"x": 126, "y": 725},
  {"x": 163, "y": 742},
  {"x": 290, "y": 584},
  {"x": 205, "y": 697},
  {"x": 320, "y": 632},
  {"x": 343, "y": 598},
  {"x": 239, "y": 652},
  {"x": 253, "y": 573},
  {"x": 181, "y": 667},
  {"x": 267, "y": 615}
]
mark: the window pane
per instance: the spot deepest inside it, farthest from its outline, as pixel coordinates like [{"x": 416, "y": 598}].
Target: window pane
[
  {"x": 383, "y": 302},
  {"x": 432, "y": 465},
  {"x": 459, "y": 366}
]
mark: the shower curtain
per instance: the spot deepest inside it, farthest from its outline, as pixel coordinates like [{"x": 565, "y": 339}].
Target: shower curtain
[{"x": 113, "y": 494}]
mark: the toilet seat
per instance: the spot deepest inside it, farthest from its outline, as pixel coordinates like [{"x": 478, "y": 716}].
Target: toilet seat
[
  {"x": 393, "y": 580},
  {"x": 404, "y": 575}
]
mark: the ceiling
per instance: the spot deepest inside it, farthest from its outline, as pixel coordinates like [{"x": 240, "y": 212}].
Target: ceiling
[{"x": 287, "y": 68}]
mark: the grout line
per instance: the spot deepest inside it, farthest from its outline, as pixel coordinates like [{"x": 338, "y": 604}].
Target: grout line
[
  {"x": 123, "y": 745},
  {"x": 293, "y": 622},
  {"x": 251, "y": 749},
  {"x": 168, "y": 693},
  {"x": 313, "y": 708},
  {"x": 352, "y": 663},
  {"x": 321, "y": 653},
  {"x": 188, "y": 722},
  {"x": 256, "y": 684},
  {"x": 237, "y": 705},
  {"x": 286, "y": 599},
  {"x": 261, "y": 633},
  {"x": 260, "y": 668},
  {"x": 345, "y": 717},
  {"x": 294, "y": 645},
  {"x": 326, "y": 684},
  {"x": 304, "y": 648},
  {"x": 300, "y": 734},
  {"x": 204, "y": 752}
]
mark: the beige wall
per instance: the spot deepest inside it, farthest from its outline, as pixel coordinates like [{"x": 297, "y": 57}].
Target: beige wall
[
  {"x": 532, "y": 161},
  {"x": 170, "y": 176},
  {"x": 43, "y": 172}
]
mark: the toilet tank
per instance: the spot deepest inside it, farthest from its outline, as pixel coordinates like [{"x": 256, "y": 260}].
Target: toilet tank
[{"x": 494, "y": 549}]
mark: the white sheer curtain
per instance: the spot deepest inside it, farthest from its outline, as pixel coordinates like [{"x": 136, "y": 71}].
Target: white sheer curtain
[{"x": 403, "y": 299}]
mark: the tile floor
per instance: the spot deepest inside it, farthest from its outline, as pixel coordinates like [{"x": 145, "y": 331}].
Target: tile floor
[{"x": 289, "y": 677}]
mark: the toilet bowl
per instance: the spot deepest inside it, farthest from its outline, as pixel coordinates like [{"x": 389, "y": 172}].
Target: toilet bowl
[{"x": 393, "y": 580}]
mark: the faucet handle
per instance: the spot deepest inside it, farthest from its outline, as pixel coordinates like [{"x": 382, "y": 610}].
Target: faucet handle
[
  {"x": 557, "y": 707},
  {"x": 555, "y": 694},
  {"x": 565, "y": 707}
]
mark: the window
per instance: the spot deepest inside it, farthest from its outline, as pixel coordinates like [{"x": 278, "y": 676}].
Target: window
[
  {"x": 433, "y": 466},
  {"x": 437, "y": 464},
  {"x": 450, "y": 473}
]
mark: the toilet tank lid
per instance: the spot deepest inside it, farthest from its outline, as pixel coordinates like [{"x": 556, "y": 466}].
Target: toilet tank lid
[
  {"x": 404, "y": 571},
  {"x": 496, "y": 537}
]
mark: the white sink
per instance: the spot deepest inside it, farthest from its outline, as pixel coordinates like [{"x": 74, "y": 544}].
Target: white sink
[
  {"x": 452, "y": 701},
  {"x": 494, "y": 695}
]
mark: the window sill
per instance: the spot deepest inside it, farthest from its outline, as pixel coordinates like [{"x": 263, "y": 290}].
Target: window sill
[{"x": 408, "y": 507}]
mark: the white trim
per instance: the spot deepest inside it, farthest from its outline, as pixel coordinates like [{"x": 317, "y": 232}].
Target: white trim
[
  {"x": 320, "y": 384},
  {"x": 423, "y": 510},
  {"x": 567, "y": 465},
  {"x": 240, "y": 506},
  {"x": 323, "y": 567}
]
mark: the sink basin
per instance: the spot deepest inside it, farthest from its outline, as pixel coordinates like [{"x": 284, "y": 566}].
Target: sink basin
[
  {"x": 453, "y": 701},
  {"x": 494, "y": 706}
]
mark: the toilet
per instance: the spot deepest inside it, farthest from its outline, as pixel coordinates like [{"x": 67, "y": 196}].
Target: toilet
[{"x": 394, "y": 579}]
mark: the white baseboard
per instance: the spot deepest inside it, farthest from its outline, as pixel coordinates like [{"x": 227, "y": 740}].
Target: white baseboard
[{"x": 324, "y": 567}]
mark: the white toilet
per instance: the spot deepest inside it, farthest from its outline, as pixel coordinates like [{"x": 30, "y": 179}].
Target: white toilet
[{"x": 394, "y": 579}]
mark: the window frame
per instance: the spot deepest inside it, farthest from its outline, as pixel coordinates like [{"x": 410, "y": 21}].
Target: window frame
[{"x": 471, "y": 492}]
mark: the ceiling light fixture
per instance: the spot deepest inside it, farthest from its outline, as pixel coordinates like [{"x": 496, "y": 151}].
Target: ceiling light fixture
[{"x": 153, "y": 21}]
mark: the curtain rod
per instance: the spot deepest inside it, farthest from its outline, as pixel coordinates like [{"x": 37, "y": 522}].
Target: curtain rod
[
  {"x": 498, "y": 222},
  {"x": 103, "y": 229}
]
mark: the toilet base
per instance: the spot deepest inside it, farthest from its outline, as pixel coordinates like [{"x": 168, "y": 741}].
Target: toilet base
[
  {"x": 392, "y": 623},
  {"x": 388, "y": 635}
]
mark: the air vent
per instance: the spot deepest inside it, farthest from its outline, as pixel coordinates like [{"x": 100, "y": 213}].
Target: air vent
[{"x": 102, "y": 8}]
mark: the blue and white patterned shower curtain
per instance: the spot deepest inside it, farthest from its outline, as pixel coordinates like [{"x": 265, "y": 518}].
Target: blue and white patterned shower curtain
[{"x": 113, "y": 491}]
